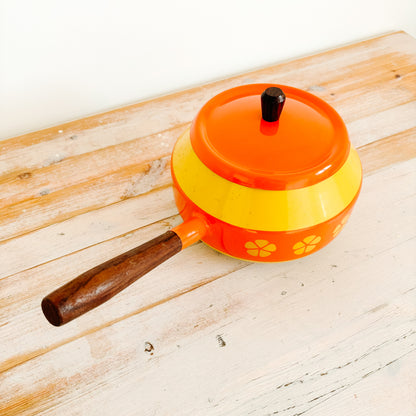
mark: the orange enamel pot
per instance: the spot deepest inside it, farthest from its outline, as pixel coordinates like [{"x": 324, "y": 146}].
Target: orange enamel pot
[
  {"x": 266, "y": 191},
  {"x": 265, "y": 173}
]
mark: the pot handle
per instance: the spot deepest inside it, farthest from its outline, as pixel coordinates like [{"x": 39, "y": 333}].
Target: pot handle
[{"x": 102, "y": 282}]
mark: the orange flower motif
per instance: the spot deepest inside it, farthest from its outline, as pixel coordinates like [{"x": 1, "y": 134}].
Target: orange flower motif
[
  {"x": 261, "y": 248},
  {"x": 340, "y": 226},
  {"x": 307, "y": 244}
]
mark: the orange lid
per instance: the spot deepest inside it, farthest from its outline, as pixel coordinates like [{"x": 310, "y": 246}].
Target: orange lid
[{"x": 307, "y": 144}]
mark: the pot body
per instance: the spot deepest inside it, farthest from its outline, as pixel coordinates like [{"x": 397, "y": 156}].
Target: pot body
[{"x": 262, "y": 225}]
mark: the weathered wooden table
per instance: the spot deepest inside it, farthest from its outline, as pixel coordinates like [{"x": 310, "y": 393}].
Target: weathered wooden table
[{"x": 204, "y": 334}]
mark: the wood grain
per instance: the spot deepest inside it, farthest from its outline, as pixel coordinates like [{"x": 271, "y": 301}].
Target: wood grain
[
  {"x": 102, "y": 282},
  {"x": 333, "y": 333}
]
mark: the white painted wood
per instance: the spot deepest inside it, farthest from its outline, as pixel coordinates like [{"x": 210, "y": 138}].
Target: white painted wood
[
  {"x": 205, "y": 334},
  {"x": 268, "y": 320},
  {"x": 386, "y": 123},
  {"x": 84, "y": 230}
]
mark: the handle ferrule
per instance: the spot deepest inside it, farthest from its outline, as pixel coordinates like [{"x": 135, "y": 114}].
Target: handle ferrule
[{"x": 191, "y": 231}]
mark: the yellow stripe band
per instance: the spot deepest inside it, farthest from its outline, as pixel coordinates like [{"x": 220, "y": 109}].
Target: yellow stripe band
[{"x": 260, "y": 209}]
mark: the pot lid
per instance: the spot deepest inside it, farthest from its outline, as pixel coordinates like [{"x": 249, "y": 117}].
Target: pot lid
[{"x": 306, "y": 144}]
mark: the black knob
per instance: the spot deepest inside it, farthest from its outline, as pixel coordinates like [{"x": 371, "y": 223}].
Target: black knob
[{"x": 272, "y": 102}]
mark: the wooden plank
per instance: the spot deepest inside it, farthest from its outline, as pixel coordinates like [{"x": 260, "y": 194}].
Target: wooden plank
[
  {"x": 389, "y": 390},
  {"x": 58, "y": 206},
  {"x": 85, "y": 230},
  {"x": 276, "y": 331},
  {"x": 384, "y": 152},
  {"x": 383, "y": 124},
  {"x": 86, "y": 167}
]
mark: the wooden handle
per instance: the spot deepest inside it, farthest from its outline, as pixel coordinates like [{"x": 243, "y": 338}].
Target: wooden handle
[{"x": 99, "y": 284}]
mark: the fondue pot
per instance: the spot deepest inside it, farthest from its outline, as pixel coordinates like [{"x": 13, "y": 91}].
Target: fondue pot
[{"x": 265, "y": 173}]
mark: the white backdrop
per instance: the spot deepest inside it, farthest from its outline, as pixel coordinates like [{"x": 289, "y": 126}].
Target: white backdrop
[{"x": 64, "y": 60}]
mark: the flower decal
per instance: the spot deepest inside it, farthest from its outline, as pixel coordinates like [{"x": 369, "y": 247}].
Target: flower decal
[
  {"x": 307, "y": 244},
  {"x": 260, "y": 248},
  {"x": 340, "y": 226}
]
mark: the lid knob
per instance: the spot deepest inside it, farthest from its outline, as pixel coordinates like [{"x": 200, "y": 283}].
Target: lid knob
[{"x": 272, "y": 102}]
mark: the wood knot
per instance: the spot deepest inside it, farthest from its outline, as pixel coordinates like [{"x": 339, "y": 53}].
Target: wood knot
[
  {"x": 25, "y": 175},
  {"x": 148, "y": 347},
  {"x": 221, "y": 342}
]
